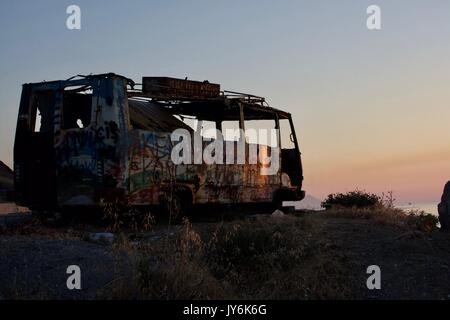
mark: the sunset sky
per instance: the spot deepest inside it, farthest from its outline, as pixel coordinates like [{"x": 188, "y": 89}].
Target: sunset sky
[{"x": 371, "y": 108}]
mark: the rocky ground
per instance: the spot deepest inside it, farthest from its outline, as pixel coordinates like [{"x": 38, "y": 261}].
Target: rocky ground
[{"x": 334, "y": 256}]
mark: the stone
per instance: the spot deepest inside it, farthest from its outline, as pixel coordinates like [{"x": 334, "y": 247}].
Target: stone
[
  {"x": 278, "y": 213},
  {"x": 444, "y": 209},
  {"x": 102, "y": 237}
]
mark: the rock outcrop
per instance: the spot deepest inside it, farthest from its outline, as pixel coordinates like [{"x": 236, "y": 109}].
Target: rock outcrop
[
  {"x": 444, "y": 209},
  {"x": 6, "y": 181}
]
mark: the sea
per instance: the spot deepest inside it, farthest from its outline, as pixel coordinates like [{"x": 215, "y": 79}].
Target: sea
[
  {"x": 428, "y": 207},
  {"x": 313, "y": 203}
]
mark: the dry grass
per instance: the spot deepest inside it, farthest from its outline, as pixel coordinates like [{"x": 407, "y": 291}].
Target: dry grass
[
  {"x": 284, "y": 257},
  {"x": 271, "y": 258},
  {"x": 389, "y": 215},
  {"x": 165, "y": 271},
  {"x": 37, "y": 229},
  {"x": 120, "y": 215}
]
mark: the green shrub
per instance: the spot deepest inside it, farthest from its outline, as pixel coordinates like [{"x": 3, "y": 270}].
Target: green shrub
[{"x": 357, "y": 198}]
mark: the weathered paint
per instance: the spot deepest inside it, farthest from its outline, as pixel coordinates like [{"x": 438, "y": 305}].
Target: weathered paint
[
  {"x": 109, "y": 159},
  {"x": 92, "y": 162}
]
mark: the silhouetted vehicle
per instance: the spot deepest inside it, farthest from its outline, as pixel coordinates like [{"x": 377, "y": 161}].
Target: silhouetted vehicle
[{"x": 98, "y": 138}]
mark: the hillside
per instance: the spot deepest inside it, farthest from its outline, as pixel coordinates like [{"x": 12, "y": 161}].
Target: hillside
[{"x": 302, "y": 256}]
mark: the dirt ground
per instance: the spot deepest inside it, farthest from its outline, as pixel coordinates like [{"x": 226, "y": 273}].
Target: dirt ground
[
  {"x": 34, "y": 259},
  {"x": 413, "y": 265}
]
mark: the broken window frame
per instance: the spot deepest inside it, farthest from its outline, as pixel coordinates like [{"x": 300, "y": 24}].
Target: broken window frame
[
  {"x": 57, "y": 89},
  {"x": 79, "y": 91}
]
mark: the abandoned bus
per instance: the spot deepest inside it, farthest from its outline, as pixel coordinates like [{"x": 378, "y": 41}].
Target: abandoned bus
[{"x": 90, "y": 139}]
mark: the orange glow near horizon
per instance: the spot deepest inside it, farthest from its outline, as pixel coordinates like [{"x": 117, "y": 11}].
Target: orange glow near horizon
[{"x": 417, "y": 178}]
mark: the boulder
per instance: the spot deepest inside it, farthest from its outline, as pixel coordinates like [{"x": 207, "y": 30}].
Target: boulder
[
  {"x": 6, "y": 182},
  {"x": 444, "y": 209}
]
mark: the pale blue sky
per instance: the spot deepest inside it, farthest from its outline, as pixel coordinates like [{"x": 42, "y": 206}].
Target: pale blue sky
[{"x": 371, "y": 107}]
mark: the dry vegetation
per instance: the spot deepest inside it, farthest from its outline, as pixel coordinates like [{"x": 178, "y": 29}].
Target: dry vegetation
[
  {"x": 270, "y": 258},
  {"x": 379, "y": 209},
  {"x": 409, "y": 220},
  {"x": 298, "y": 256},
  {"x": 266, "y": 258}
]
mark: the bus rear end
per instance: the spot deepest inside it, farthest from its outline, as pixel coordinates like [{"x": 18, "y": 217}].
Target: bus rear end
[{"x": 34, "y": 157}]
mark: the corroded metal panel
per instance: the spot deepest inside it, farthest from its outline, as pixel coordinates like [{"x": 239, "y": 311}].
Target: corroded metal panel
[
  {"x": 125, "y": 150},
  {"x": 173, "y": 88},
  {"x": 91, "y": 162},
  {"x": 152, "y": 171}
]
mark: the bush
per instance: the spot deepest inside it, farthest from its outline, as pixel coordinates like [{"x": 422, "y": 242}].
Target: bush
[
  {"x": 423, "y": 221},
  {"x": 386, "y": 213},
  {"x": 359, "y": 199}
]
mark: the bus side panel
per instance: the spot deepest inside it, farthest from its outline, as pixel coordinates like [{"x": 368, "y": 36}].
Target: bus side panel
[
  {"x": 152, "y": 171},
  {"x": 150, "y": 166},
  {"x": 235, "y": 183}
]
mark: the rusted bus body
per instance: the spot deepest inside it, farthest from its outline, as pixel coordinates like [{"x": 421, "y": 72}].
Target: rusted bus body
[
  {"x": 151, "y": 168},
  {"x": 100, "y": 140}
]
